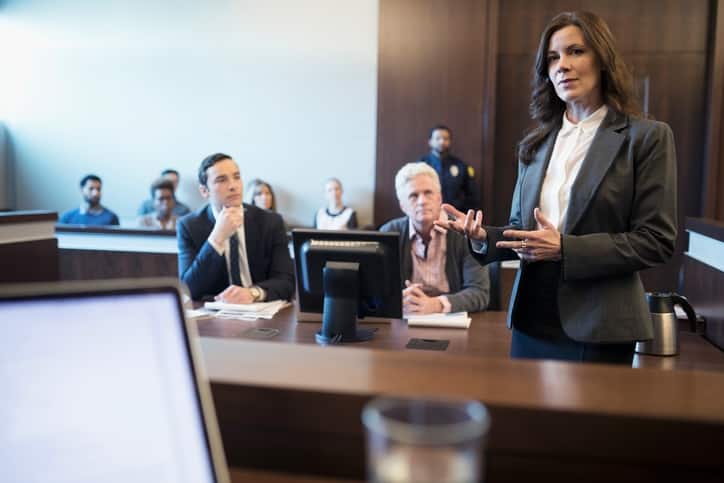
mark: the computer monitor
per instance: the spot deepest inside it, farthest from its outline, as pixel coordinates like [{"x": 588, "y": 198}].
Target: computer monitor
[
  {"x": 102, "y": 382},
  {"x": 345, "y": 275}
]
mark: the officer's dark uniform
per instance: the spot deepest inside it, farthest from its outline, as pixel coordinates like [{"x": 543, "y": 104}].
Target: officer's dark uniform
[{"x": 459, "y": 186}]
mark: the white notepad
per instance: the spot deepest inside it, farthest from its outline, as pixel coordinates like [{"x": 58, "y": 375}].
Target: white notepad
[
  {"x": 259, "y": 310},
  {"x": 455, "y": 320},
  {"x": 255, "y": 307}
]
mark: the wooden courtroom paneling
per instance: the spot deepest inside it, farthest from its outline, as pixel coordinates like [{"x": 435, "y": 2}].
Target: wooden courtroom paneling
[
  {"x": 704, "y": 287},
  {"x": 29, "y": 261},
  {"x": 102, "y": 264},
  {"x": 28, "y": 248},
  {"x": 242, "y": 475},
  {"x": 430, "y": 70},
  {"x": 674, "y": 101},
  {"x": 701, "y": 282},
  {"x": 109, "y": 252},
  {"x": 552, "y": 421},
  {"x": 713, "y": 193},
  {"x": 11, "y": 217},
  {"x": 487, "y": 336}
]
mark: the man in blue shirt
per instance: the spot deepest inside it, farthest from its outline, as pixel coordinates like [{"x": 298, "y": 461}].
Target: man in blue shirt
[
  {"x": 459, "y": 186},
  {"x": 91, "y": 212}
]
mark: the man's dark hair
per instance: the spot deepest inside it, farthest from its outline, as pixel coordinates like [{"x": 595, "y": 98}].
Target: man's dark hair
[
  {"x": 208, "y": 162},
  {"x": 89, "y": 177},
  {"x": 439, "y": 127},
  {"x": 170, "y": 171},
  {"x": 161, "y": 184}
]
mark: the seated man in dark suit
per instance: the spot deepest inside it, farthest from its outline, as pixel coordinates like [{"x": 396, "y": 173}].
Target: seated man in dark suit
[
  {"x": 439, "y": 272},
  {"x": 229, "y": 251}
]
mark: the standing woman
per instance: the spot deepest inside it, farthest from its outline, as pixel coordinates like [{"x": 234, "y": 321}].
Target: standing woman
[{"x": 594, "y": 203}]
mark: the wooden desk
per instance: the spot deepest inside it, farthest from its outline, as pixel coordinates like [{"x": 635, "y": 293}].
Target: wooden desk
[
  {"x": 241, "y": 475},
  {"x": 28, "y": 247},
  {"x": 289, "y": 410},
  {"x": 295, "y": 408},
  {"x": 487, "y": 336}
]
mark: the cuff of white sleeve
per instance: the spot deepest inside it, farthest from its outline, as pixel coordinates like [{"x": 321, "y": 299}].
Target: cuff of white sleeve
[
  {"x": 480, "y": 247},
  {"x": 219, "y": 248},
  {"x": 446, "y": 307}
]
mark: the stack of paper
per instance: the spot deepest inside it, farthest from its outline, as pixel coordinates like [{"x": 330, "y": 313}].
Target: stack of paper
[
  {"x": 199, "y": 314},
  {"x": 260, "y": 310},
  {"x": 456, "y": 320}
]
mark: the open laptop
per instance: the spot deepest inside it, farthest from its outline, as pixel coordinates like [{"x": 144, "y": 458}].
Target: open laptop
[{"x": 102, "y": 382}]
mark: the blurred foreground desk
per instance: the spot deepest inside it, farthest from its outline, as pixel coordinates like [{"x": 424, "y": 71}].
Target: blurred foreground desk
[
  {"x": 487, "y": 336},
  {"x": 289, "y": 410},
  {"x": 296, "y": 408}
]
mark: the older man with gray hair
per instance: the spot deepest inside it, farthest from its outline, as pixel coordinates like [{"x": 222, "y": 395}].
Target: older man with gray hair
[{"x": 439, "y": 272}]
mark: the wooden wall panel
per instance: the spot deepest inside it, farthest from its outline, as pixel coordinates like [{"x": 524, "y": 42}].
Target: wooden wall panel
[
  {"x": 512, "y": 120},
  {"x": 314, "y": 433},
  {"x": 101, "y": 264},
  {"x": 431, "y": 70},
  {"x": 713, "y": 188},
  {"x": 639, "y": 26},
  {"x": 29, "y": 261},
  {"x": 704, "y": 287},
  {"x": 677, "y": 96}
]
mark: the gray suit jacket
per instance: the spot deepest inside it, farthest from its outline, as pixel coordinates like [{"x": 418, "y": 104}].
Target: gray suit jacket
[
  {"x": 468, "y": 280},
  {"x": 621, "y": 219}
]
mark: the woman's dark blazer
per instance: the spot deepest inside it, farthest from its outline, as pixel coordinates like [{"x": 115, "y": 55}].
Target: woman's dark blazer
[{"x": 621, "y": 219}]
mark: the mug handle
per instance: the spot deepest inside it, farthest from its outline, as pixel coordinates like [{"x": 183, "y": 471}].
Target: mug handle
[{"x": 682, "y": 302}]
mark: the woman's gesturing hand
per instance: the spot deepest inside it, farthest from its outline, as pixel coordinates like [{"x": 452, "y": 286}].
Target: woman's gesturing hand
[
  {"x": 470, "y": 224},
  {"x": 535, "y": 245}
]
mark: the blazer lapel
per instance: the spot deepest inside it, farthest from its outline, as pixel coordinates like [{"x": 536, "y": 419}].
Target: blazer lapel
[
  {"x": 533, "y": 177},
  {"x": 451, "y": 260},
  {"x": 210, "y": 219},
  {"x": 251, "y": 237},
  {"x": 604, "y": 148}
]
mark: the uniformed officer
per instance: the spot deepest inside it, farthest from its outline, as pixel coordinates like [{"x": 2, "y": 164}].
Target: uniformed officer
[{"x": 459, "y": 186}]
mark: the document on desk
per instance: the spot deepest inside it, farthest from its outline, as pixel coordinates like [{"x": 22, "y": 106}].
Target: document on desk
[
  {"x": 455, "y": 320},
  {"x": 259, "y": 310},
  {"x": 199, "y": 314}
]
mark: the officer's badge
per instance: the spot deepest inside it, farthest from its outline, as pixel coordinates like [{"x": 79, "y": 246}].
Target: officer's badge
[
  {"x": 471, "y": 172},
  {"x": 454, "y": 170}
]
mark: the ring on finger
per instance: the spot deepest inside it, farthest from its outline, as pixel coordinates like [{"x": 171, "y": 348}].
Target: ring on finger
[{"x": 523, "y": 243}]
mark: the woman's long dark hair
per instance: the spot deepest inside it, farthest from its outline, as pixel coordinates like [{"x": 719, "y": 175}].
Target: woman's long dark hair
[{"x": 546, "y": 108}]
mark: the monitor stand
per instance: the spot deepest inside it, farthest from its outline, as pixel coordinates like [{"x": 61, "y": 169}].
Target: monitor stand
[{"x": 341, "y": 299}]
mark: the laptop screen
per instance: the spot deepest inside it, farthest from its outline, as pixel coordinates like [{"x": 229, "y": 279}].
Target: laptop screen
[{"x": 99, "y": 388}]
